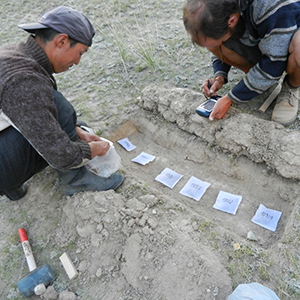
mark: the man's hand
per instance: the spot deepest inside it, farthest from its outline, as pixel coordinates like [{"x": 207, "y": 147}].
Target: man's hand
[
  {"x": 87, "y": 136},
  {"x": 212, "y": 85},
  {"x": 99, "y": 148},
  {"x": 220, "y": 109}
]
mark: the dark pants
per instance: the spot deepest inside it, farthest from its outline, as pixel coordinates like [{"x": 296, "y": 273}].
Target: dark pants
[{"x": 19, "y": 161}]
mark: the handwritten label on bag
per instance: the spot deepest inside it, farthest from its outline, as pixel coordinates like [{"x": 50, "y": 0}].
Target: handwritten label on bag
[
  {"x": 194, "y": 188},
  {"x": 125, "y": 143},
  {"x": 227, "y": 202},
  {"x": 267, "y": 218},
  {"x": 143, "y": 158},
  {"x": 168, "y": 177}
]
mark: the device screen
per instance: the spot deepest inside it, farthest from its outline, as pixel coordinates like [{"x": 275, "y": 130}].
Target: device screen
[{"x": 209, "y": 105}]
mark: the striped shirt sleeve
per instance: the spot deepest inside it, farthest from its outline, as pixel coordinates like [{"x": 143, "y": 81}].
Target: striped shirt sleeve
[{"x": 271, "y": 25}]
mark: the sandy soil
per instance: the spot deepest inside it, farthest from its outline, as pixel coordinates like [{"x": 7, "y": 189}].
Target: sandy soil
[{"x": 147, "y": 241}]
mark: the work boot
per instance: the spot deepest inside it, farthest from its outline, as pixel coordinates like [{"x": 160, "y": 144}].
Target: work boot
[
  {"x": 15, "y": 193},
  {"x": 286, "y": 109},
  {"x": 80, "y": 180}
]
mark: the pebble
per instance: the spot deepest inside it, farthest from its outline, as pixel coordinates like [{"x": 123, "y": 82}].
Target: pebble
[{"x": 251, "y": 236}]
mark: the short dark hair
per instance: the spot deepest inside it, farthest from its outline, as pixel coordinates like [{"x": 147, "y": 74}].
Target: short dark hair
[
  {"x": 208, "y": 17},
  {"x": 48, "y": 34}
]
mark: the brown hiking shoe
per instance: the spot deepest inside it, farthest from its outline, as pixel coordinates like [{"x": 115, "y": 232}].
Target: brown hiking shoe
[{"x": 286, "y": 109}]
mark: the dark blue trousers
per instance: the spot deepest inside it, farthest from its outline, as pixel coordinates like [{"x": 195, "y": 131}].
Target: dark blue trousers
[{"x": 19, "y": 161}]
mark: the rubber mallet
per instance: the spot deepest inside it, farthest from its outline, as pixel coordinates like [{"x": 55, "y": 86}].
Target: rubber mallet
[{"x": 38, "y": 278}]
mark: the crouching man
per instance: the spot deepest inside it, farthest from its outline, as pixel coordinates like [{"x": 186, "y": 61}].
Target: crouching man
[
  {"x": 38, "y": 126},
  {"x": 260, "y": 37}
]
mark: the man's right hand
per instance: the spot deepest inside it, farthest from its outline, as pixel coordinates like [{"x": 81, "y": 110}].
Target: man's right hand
[
  {"x": 99, "y": 148},
  {"x": 211, "y": 86}
]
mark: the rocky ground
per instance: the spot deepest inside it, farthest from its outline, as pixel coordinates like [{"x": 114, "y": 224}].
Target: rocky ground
[{"x": 147, "y": 241}]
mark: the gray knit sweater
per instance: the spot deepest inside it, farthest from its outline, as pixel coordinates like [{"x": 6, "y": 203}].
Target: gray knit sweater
[{"x": 26, "y": 103}]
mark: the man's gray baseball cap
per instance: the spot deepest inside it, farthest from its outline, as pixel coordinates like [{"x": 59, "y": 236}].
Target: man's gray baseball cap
[{"x": 65, "y": 20}]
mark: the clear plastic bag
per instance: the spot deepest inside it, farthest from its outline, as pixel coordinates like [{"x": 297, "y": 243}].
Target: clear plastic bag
[
  {"x": 107, "y": 164},
  {"x": 252, "y": 291}
]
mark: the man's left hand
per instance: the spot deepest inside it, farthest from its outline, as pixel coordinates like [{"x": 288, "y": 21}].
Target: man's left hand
[{"x": 87, "y": 136}]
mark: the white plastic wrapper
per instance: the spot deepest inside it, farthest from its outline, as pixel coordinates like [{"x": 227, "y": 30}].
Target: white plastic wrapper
[
  {"x": 107, "y": 164},
  {"x": 252, "y": 291}
]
